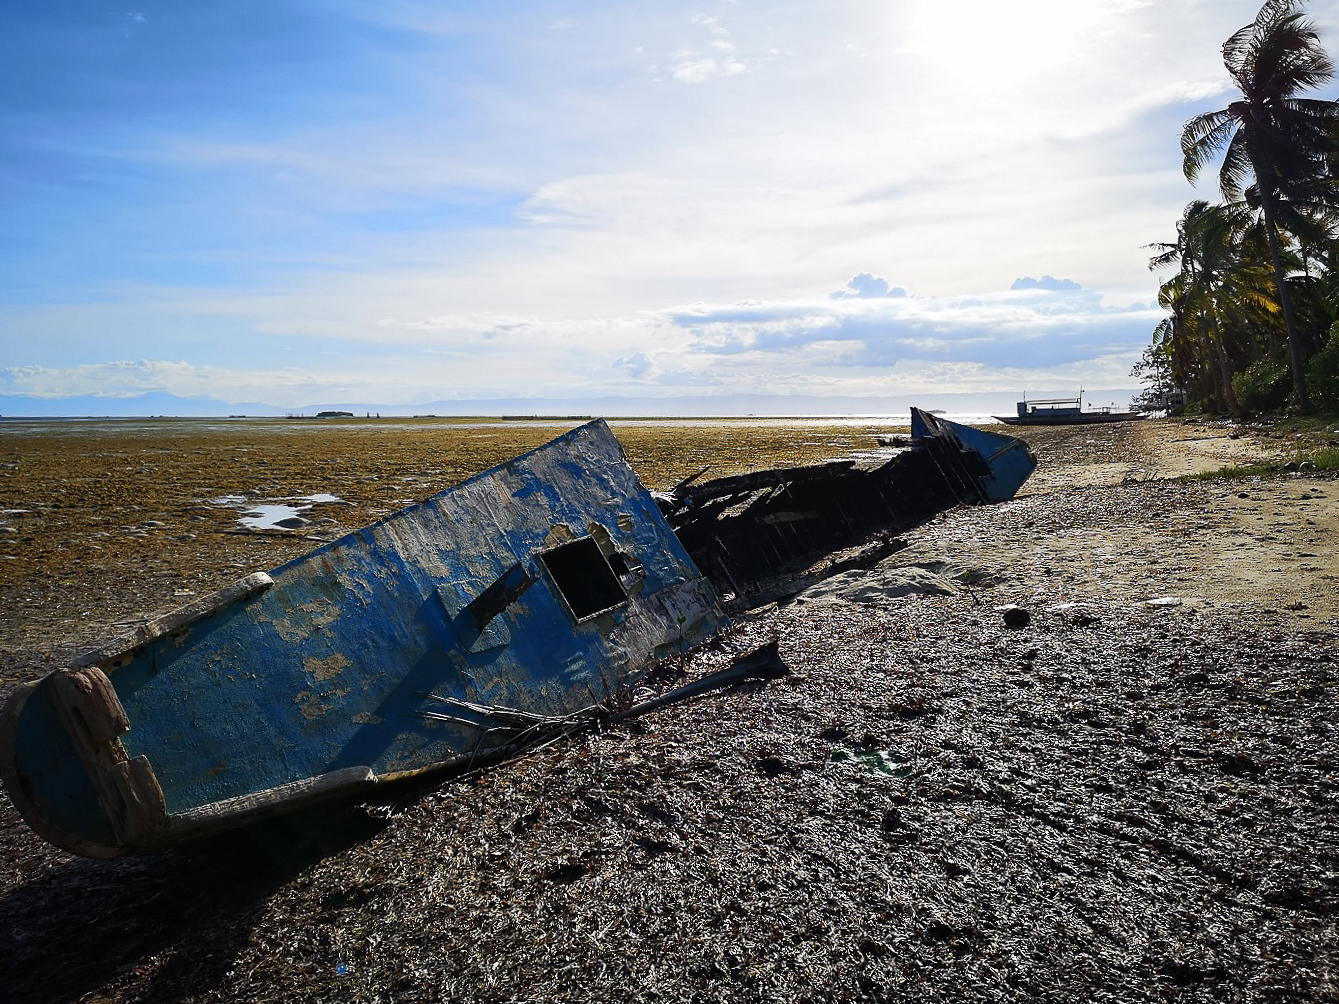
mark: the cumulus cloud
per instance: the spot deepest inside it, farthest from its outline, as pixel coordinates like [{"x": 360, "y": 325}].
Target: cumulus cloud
[
  {"x": 867, "y": 286},
  {"x": 1042, "y": 323},
  {"x": 867, "y": 328},
  {"x": 637, "y": 365},
  {"x": 1045, "y": 282},
  {"x": 874, "y": 339},
  {"x": 695, "y": 68}
]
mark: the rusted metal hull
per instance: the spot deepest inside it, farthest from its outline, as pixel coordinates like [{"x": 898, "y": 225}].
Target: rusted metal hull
[{"x": 535, "y": 590}]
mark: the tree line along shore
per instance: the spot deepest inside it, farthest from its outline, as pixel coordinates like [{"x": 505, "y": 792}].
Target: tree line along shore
[{"x": 1253, "y": 306}]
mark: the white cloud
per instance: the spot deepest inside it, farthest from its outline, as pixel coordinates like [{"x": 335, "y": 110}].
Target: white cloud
[
  {"x": 760, "y": 189},
  {"x": 854, "y": 346},
  {"x": 637, "y": 365},
  {"x": 129, "y": 378},
  {"x": 866, "y": 285},
  {"x": 694, "y": 68},
  {"x": 1187, "y": 91},
  {"x": 695, "y": 71},
  {"x": 1045, "y": 282},
  {"x": 1044, "y": 326}
]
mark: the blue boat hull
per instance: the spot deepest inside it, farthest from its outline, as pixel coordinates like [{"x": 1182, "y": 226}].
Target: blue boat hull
[
  {"x": 539, "y": 588},
  {"x": 1005, "y": 461},
  {"x": 444, "y": 634}
]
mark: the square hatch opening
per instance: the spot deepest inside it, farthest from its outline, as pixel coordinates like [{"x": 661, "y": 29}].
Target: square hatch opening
[{"x": 583, "y": 576}]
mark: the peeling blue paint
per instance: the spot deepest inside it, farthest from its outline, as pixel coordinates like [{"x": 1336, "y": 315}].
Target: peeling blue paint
[{"x": 333, "y": 666}]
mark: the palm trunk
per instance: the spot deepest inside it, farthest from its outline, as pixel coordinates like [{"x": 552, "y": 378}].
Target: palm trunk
[
  {"x": 1207, "y": 385},
  {"x": 1225, "y": 369},
  {"x": 1285, "y": 301},
  {"x": 1214, "y": 393},
  {"x": 1229, "y": 395}
]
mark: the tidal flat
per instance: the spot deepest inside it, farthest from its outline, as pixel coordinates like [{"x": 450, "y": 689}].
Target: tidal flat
[
  {"x": 102, "y": 520},
  {"x": 1133, "y": 797}
]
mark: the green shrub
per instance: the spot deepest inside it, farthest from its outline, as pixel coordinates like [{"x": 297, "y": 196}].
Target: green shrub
[
  {"x": 1262, "y": 385},
  {"x": 1322, "y": 376}
]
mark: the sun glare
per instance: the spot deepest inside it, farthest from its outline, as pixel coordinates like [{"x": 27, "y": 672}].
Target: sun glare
[{"x": 985, "y": 43}]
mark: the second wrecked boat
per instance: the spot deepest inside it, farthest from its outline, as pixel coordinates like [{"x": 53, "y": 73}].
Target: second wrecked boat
[
  {"x": 536, "y": 591},
  {"x": 756, "y": 536}
]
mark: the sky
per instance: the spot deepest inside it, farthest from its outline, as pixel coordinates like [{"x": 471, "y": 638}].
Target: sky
[{"x": 317, "y": 201}]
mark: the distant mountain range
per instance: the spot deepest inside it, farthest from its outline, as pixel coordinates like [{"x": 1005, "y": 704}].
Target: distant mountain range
[{"x": 171, "y": 406}]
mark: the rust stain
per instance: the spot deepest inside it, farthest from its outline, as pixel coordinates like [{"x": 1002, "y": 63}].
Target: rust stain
[
  {"x": 327, "y": 668},
  {"x": 310, "y": 705},
  {"x": 561, "y": 533},
  {"x": 294, "y": 628}
]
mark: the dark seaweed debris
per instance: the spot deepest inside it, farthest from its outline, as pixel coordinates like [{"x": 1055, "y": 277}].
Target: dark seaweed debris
[{"x": 1139, "y": 807}]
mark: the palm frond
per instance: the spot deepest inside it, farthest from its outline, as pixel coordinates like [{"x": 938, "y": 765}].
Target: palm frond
[
  {"x": 1287, "y": 57},
  {"x": 1202, "y": 137},
  {"x": 1238, "y": 165}
]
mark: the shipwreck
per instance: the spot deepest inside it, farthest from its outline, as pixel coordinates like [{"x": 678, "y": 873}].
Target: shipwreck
[
  {"x": 452, "y": 632},
  {"x": 763, "y": 535}
]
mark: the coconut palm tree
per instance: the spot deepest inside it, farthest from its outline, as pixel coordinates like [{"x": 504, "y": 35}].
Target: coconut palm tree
[
  {"x": 1220, "y": 298},
  {"x": 1270, "y": 133},
  {"x": 1178, "y": 339},
  {"x": 1203, "y": 240}
]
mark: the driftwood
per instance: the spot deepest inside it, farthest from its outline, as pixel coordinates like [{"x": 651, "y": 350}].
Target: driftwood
[{"x": 762, "y": 663}]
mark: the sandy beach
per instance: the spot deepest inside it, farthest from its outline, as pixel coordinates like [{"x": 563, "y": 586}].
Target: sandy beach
[{"x": 1131, "y": 798}]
